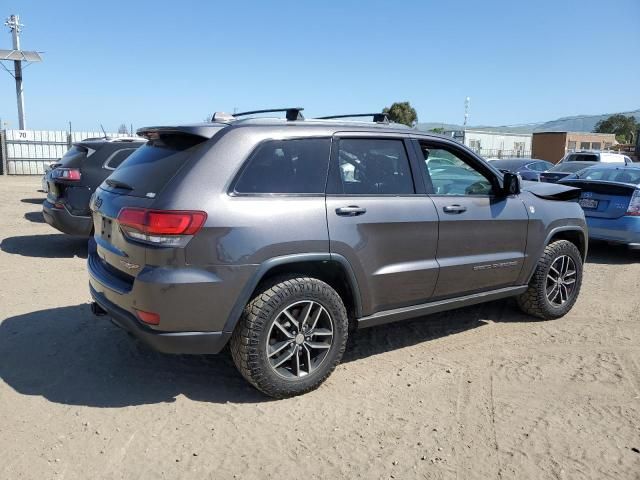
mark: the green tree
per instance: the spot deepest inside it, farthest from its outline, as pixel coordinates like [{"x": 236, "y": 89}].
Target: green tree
[
  {"x": 624, "y": 127},
  {"x": 437, "y": 130},
  {"x": 402, "y": 112}
]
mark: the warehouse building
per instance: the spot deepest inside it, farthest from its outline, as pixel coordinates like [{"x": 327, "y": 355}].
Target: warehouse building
[
  {"x": 494, "y": 144},
  {"x": 552, "y": 146}
]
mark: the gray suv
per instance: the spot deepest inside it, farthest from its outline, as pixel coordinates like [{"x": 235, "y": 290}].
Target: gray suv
[{"x": 280, "y": 237}]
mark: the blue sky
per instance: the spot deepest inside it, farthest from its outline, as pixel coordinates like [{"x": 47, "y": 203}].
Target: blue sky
[{"x": 160, "y": 62}]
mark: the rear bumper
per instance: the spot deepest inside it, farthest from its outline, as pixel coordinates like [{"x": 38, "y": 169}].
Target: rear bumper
[
  {"x": 61, "y": 219},
  {"x": 167, "y": 342},
  {"x": 624, "y": 230},
  {"x": 194, "y": 304}
]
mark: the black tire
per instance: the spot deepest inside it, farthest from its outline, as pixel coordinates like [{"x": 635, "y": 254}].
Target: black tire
[
  {"x": 535, "y": 300},
  {"x": 250, "y": 339}
]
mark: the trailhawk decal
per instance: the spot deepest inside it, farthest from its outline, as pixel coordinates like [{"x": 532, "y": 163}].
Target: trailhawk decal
[{"x": 496, "y": 265}]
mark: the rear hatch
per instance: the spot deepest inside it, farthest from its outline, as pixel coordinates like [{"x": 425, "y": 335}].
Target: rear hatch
[
  {"x": 136, "y": 185},
  {"x": 65, "y": 172},
  {"x": 603, "y": 199}
]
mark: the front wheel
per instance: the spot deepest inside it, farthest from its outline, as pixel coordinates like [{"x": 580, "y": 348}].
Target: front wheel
[
  {"x": 291, "y": 336},
  {"x": 555, "y": 285}
]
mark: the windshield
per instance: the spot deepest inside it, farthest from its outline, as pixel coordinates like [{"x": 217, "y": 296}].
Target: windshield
[{"x": 622, "y": 175}]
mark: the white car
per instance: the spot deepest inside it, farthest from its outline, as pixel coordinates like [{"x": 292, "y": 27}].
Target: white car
[
  {"x": 595, "y": 156},
  {"x": 45, "y": 184}
]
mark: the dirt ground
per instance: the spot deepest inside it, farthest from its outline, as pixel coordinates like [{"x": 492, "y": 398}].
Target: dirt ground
[{"x": 477, "y": 393}]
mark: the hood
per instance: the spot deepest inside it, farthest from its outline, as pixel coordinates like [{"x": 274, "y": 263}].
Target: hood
[{"x": 551, "y": 191}]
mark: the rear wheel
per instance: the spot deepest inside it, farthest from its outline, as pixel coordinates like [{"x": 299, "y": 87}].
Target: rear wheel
[
  {"x": 291, "y": 336},
  {"x": 555, "y": 285}
]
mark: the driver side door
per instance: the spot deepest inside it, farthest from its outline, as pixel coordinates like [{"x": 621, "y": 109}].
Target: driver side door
[{"x": 482, "y": 232}]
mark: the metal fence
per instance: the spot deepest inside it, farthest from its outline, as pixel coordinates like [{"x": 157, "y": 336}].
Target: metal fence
[
  {"x": 27, "y": 152},
  {"x": 497, "y": 153}
]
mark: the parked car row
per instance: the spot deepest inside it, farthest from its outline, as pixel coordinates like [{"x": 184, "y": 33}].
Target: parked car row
[
  {"x": 71, "y": 181},
  {"x": 527, "y": 168},
  {"x": 279, "y": 236},
  {"x": 610, "y": 191}
]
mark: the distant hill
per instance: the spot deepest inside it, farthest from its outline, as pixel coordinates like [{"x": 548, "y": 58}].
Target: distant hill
[{"x": 577, "y": 123}]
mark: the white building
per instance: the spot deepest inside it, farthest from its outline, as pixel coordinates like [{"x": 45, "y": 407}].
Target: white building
[{"x": 494, "y": 144}]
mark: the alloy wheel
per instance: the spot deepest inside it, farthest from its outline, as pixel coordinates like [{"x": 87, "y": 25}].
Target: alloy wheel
[
  {"x": 561, "y": 280},
  {"x": 299, "y": 339}
]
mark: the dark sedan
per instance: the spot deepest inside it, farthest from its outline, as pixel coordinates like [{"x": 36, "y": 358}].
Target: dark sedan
[
  {"x": 564, "y": 169},
  {"x": 528, "y": 168}
]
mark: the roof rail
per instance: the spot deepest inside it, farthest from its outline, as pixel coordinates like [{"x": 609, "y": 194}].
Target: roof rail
[
  {"x": 292, "y": 114},
  {"x": 377, "y": 117}
]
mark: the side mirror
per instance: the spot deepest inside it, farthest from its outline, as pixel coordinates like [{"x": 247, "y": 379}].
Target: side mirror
[{"x": 511, "y": 183}]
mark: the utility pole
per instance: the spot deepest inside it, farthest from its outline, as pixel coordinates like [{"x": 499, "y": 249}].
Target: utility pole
[
  {"x": 18, "y": 56},
  {"x": 14, "y": 25},
  {"x": 467, "y": 103}
]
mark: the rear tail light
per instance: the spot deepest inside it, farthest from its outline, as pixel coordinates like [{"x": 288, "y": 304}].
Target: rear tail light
[
  {"x": 160, "y": 227},
  {"x": 67, "y": 174},
  {"x": 634, "y": 204}
]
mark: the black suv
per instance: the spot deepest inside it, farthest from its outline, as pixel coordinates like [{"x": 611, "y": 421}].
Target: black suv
[
  {"x": 72, "y": 181},
  {"x": 278, "y": 235}
]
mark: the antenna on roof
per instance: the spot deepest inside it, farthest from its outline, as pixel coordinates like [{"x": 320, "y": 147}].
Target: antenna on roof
[
  {"x": 103, "y": 131},
  {"x": 377, "y": 117}
]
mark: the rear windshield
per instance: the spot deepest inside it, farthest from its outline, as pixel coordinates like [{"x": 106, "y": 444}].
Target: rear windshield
[
  {"x": 508, "y": 164},
  {"x": 581, "y": 157},
  {"x": 622, "y": 175},
  {"x": 74, "y": 157},
  {"x": 147, "y": 170},
  {"x": 569, "y": 167}
]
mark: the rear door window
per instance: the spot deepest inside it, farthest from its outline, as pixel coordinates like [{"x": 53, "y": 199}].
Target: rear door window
[
  {"x": 371, "y": 166},
  {"x": 295, "y": 166},
  {"x": 146, "y": 171}
]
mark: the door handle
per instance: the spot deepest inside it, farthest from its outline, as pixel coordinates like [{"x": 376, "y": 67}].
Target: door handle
[
  {"x": 351, "y": 211},
  {"x": 454, "y": 209}
]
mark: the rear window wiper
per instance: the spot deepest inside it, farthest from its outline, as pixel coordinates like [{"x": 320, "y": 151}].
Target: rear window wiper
[{"x": 118, "y": 184}]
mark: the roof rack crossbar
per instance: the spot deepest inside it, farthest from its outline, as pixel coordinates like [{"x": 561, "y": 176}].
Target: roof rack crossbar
[
  {"x": 292, "y": 114},
  {"x": 377, "y": 117}
]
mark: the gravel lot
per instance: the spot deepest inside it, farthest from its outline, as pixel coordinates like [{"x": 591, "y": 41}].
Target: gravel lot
[{"x": 482, "y": 392}]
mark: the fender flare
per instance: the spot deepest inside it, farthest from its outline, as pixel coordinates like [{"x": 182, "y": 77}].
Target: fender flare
[
  {"x": 267, "y": 265},
  {"x": 556, "y": 230},
  {"x": 569, "y": 228}
]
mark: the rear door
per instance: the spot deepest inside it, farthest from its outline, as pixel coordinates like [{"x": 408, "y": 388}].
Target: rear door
[
  {"x": 483, "y": 233},
  {"x": 380, "y": 222}
]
